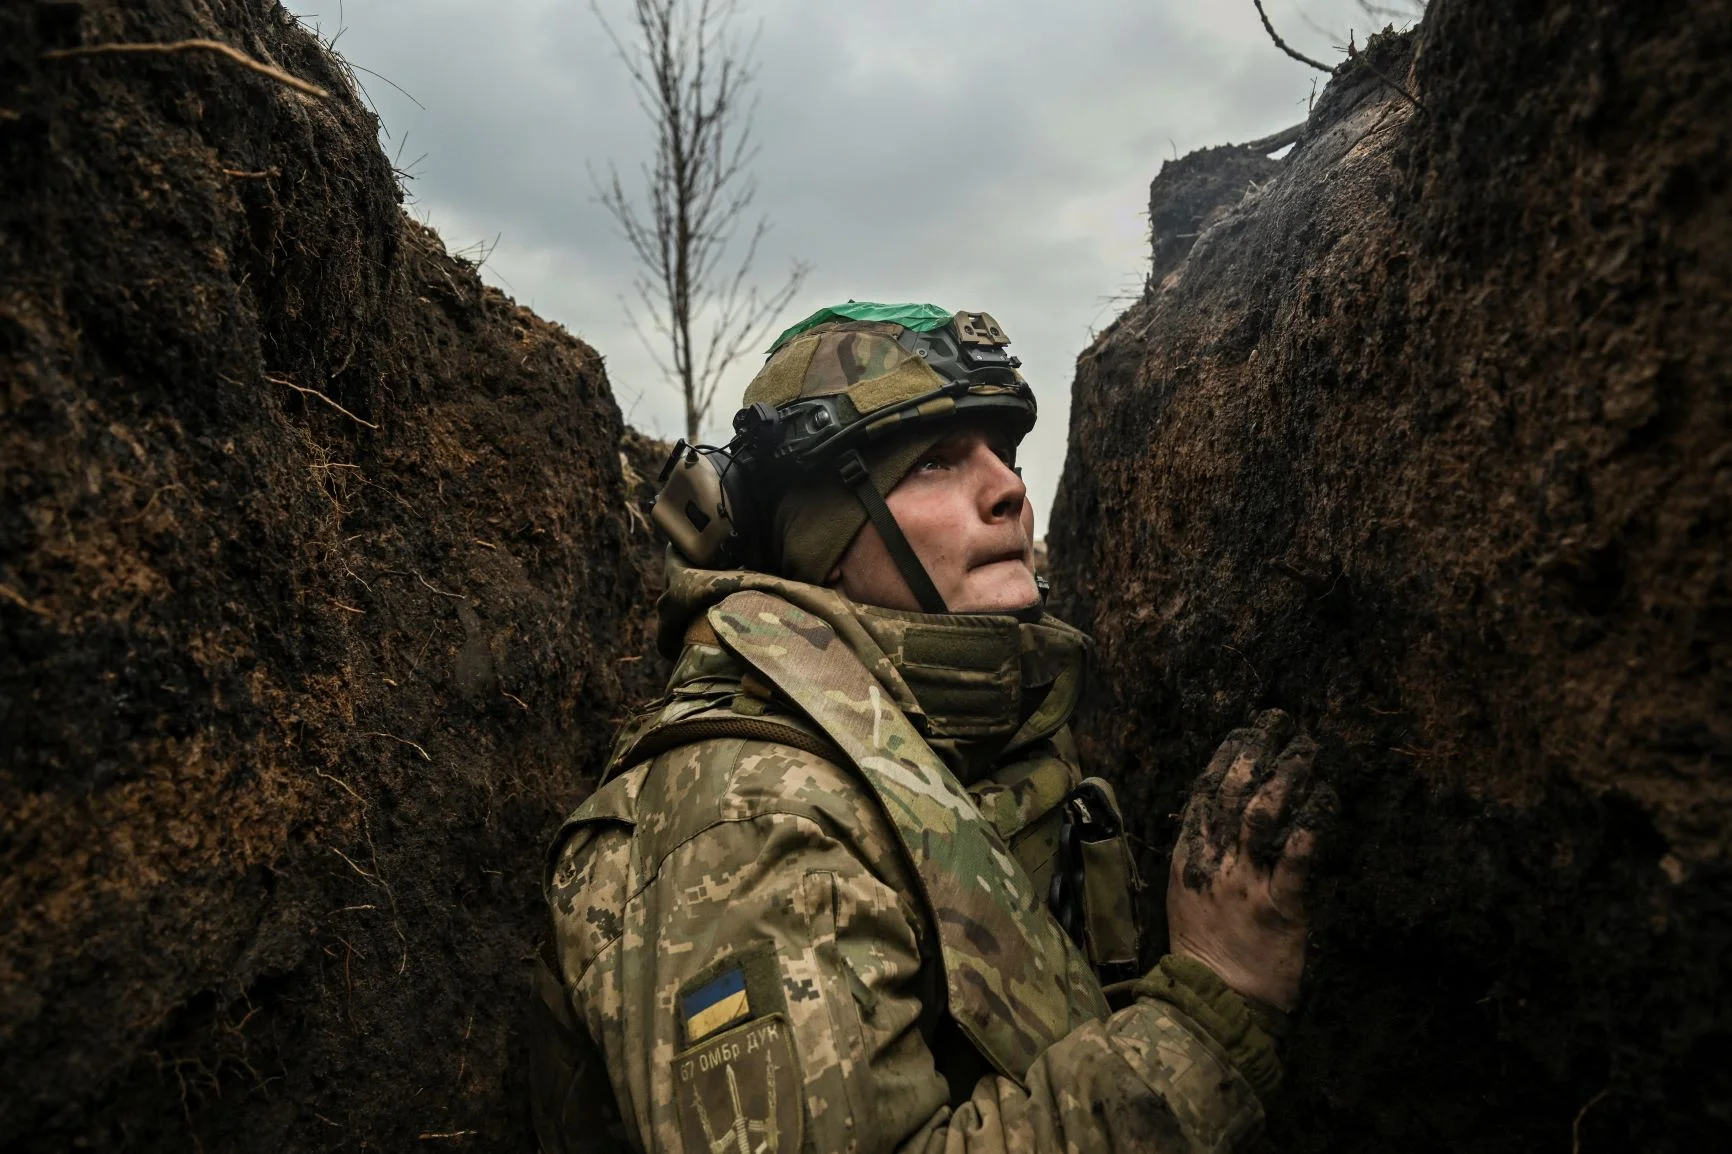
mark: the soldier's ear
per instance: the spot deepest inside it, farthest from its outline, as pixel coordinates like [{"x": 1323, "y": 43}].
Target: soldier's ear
[{"x": 834, "y": 576}]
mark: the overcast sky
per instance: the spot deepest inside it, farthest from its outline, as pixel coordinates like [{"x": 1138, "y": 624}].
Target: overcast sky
[{"x": 977, "y": 154}]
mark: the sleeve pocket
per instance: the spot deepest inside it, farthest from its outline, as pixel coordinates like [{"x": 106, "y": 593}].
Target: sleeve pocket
[{"x": 825, "y": 1021}]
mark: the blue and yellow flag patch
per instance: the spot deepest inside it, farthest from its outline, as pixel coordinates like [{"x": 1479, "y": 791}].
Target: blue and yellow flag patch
[{"x": 718, "y": 1003}]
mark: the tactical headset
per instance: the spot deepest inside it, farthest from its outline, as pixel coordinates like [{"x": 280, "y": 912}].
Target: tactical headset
[{"x": 714, "y": 503}]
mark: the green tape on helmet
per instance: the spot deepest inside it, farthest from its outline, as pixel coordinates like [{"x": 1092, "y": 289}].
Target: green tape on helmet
[{"x": 916, "y": 318}]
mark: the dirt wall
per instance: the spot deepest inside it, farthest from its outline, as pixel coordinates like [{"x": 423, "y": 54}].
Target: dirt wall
[
  {"x": 314, "y": 604},
  {"x": 1426, "y": 440}
]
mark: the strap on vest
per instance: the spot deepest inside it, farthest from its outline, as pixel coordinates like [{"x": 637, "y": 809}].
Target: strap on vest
[
  {"x": 1016, "y": 799},
  {"x": 665, "y": 737}
]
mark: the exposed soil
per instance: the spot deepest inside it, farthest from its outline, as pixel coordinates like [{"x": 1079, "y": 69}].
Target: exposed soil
[
  {"x": 644, "y": 671},
  {"x": 316, "y": 586},
  {"x": 1194, "y": 192},
  {"x": 1426, "y": 440}
]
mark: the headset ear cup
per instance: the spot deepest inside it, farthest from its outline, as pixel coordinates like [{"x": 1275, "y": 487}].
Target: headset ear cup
[
  {"x": 690, "y": 507},
  {"x": 705, "y": 508},
  {"x": 744, "y": 546}
]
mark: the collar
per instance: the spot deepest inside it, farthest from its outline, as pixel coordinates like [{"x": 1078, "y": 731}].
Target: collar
[{"x": 978, "y": 686}]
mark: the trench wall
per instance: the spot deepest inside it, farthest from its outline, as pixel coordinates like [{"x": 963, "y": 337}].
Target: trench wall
[
  {"x": 1425, "y": 439},
  {"x": 315, "y": 582}
]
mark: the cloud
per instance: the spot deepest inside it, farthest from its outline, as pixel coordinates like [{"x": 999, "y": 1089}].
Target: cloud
[{"x": 982, "y": 154}]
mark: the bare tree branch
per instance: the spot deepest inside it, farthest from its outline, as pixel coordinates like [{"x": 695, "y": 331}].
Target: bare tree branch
[
  {"x": 1352, "y": 51},
  {"x": 692, "y": 78},
  {"x": 1282, "y": 44}
]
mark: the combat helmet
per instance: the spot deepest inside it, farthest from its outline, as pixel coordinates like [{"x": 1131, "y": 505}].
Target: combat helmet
[{"x": 845, "y": 401}]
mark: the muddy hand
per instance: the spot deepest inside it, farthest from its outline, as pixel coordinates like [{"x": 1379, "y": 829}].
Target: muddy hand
[{"x": 1235, "y": 893}]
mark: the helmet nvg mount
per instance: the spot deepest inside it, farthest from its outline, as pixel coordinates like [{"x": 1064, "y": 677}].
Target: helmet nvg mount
[{"x": 835, "y": 385}]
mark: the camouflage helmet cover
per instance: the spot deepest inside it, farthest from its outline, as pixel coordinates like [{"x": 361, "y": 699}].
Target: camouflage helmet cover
[{"x": 853, "y": 354}]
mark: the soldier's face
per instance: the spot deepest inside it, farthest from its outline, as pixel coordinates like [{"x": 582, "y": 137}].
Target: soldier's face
[{"x": 966, "y": 513}]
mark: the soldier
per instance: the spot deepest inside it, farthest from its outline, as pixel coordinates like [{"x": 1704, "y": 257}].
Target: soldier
[{"x": 844, "y": 887}]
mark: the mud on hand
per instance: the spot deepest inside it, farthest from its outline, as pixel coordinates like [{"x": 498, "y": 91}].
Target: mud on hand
[{"x": 1235, "y": 893}]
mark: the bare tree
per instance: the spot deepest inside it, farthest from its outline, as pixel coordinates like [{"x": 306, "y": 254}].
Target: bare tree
[{"x": 691, "y": 75}]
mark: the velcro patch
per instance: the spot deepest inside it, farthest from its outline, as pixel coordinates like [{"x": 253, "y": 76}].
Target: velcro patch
[
  {"x": 739, "y": 1092},
  {"x": 743, "y": 984},
  {"x": 718, "y": 1003}
]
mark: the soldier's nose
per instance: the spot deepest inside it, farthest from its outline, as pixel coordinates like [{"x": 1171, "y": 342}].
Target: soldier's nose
[{"x": 1002, "y": 490}]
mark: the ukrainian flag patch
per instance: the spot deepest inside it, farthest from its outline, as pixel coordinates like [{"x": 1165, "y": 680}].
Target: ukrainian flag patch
[{"x": 715, "y": 1005}]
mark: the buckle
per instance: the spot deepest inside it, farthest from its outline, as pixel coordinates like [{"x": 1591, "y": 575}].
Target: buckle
[
  {"x": 1090, "y": 813},
  {"x": 852, "y": 468}
]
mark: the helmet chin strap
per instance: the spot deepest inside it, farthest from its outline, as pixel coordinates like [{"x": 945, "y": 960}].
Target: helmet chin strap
[{"x": 854, "y": 475}]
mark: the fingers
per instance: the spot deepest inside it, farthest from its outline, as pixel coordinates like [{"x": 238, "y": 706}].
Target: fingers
[
  {"x": 1196, "y": 857},
  {"x": 1275, "y": 726},
  {"x": 1237, "y": 784},
  {"x": 1268, "y": 732},
  {"x": 1214, "y": 816},
  {"x": 1291, "y": 773},
  {"x": 1287, "y": 880},
  {"x": 1251, "y": 767},
  {"x": 1208, "y": 782},
  {"x": 1267, "y": 818},
  {"x": 1314, "y": 810}
]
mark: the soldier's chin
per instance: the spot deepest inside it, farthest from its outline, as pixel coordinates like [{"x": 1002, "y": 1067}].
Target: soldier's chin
[{"x": 1000, "y": 587}]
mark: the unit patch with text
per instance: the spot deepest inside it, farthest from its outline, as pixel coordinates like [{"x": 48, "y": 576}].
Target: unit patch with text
[{"x": 739, "y": 1092}]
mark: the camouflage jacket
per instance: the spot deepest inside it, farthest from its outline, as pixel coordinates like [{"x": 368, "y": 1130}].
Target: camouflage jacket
[{"x": 756, "y": 951}]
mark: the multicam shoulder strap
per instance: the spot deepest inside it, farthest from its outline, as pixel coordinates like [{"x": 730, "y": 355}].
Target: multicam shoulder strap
[{"x": 1016, "y": 983}]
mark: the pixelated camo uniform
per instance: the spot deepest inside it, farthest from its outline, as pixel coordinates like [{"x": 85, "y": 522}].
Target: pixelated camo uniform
[{"x": 745, "y": 954}]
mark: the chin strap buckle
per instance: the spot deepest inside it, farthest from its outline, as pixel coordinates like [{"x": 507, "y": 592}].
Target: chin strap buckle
[{"x": 853, "y": 471}]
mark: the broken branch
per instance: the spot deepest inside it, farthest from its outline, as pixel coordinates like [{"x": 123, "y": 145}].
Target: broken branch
[
  {"x": 217, "y": 46},
  {"x": 1275, "y": 142},
  {"x": 22, "y": 601},
  {"x": 1353, "y": 54},
  {"x": 1282, "y": 44}
]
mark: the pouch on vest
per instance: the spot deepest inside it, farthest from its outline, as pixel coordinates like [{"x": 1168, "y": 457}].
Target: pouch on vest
[{"x": 1094, "y": 881}]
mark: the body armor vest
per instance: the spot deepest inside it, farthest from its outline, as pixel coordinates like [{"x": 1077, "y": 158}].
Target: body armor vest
[{"x": 1026, "y": 879}]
